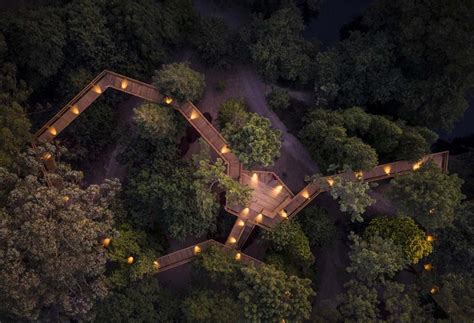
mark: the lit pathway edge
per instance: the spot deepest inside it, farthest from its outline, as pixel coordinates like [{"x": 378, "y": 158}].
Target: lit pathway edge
[{"x": 248, "y": 218}]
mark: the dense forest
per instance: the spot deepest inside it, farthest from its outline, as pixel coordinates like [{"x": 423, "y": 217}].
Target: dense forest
[{"x": 84, "y": 250}]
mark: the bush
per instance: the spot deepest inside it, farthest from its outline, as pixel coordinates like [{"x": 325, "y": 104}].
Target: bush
[
  {"x": 317, "y": 225},
  {"x": 233, "y": 111},
  {"x": 278, "y": 99}
]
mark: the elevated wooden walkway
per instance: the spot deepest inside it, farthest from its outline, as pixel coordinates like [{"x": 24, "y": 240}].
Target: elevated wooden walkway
[
  {"x": 108, "y": 79},
  {"x": 272, "y": 201},
  {"x": 186, "y": 255}
]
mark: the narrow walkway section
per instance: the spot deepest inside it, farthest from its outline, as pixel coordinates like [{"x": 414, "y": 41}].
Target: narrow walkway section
[{"x": 186, "y": 255}]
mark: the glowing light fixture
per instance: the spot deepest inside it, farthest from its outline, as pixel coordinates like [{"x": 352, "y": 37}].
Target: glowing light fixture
[
  {"x": 417, "y": 165},
  {"x": 240, "y": 223},
  {"x": 124, "y": 84},
  {"x": 245, "y": 211},
  {"x": 46, "y": 156},
  {"x": 156, "y": 264},
  {"x": 169, "y": 100},
  {"x": 238, "y": 256},
  {"x": 305, "y": 194},
  {"x": 427, "y": 267},
  {"x": 431, "y": 211},
  {"x": 194, "y": 115},
  {"x": 197, "y": 249},
  {"x": 225, "y": 150},
  {"x": 65, "y": 198},
  {"x": 278, "y": 189},
  {"x": 284, "y": 214},
  {"x": 130, "y": 260},
  {"x": 232, "y": 240},
  {"x": 429, "y": 238},
  {"x": 434, "y": 290},
  {"x": 359, "y": 175},
  {"x": 259, "y": 217},
  {"x": 53, "y": 131},
  {"x": 330, "y": 181},
  {"x": 97, "y": 89},
  {"x": 106, "y": 242},
  {"x": 255, "y": 177},
  {"x": 387, "y": 169},
  {"x": 75, "y": 109}
]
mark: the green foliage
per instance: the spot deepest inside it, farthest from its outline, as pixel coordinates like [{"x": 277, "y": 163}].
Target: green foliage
[
  {"x": 409, "y": 61},
  {"x": 428, "y": 195},
  {"x": 359, "y": 303},
  {"x": 338, "y": 138},
  {"x": 268, "y": 294},
  {"x": 383, "y": 135},
  {"x": 177, "y": 20},
  {"x": 155, "y": 121},
  {"x": 213, "y": 41},
  {"x": 278, "y": 99},
  {"x": 136, "y": 244},
  {"x": 289, "y": 237},
  {"x": 36, "y": 44},
  {"x": 264, "y": 293},
  {"x": 318, "y": 226},
  {"x": 233, "y": 112},
  {"x": 402, "y": 303},
  {"x": 278, "y": 48},
  {"x": 90, "y": 43},
  {"x": 52, "y": 263},
  {"x": 404, "y": 233},
  {"x": 353, "y": 196},
  {"x": 210, "y": 306},
  {"x": 455, "y": 244},
  {"x": 256, "y": 142},
  {"x": 14, "y": 131},
  {"x": 456, "y": 296},
  {"x": 217, "y": 266},
  {"x": 209, "y": 174},
  {"x": 375, "y": 259},
  {"x": 326, "y": 138},
  {"x": 143, "y": 301},
  {"x": 179, "y": 81}
]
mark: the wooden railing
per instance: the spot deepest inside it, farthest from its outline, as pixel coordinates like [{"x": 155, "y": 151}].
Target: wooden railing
[{"x": 186, "y": 255}]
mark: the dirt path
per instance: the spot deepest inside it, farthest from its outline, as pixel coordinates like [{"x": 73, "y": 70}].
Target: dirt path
[{"x": 108, "y": 166}]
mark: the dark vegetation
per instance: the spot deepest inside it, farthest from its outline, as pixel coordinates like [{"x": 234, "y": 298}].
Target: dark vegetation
[{"x": 77, "y": 252}]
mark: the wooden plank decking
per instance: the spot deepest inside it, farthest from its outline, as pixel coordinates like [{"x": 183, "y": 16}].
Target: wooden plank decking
[
  {"x": 272, "y": 201},
  {"x": 186, "y": 255}
]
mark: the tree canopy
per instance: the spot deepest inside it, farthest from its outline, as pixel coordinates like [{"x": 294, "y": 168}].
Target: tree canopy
[
  {"x": 404, "y": 59},
  {"x": 277, "y": 47},
  {"x": 428, "y": 195},
  {"x": 255, "y": 142},
  {"x": 52, "y": 262},
  {"x": 404, "y": 233},
  {"x": 179, "y": 81}
]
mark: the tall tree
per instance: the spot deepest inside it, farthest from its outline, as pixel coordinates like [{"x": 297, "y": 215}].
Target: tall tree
[
  {"x": 256, "y": 142},
  {"x": 428, "y": 195},
  {"x": 278, "y": 48},
  {"x": 268, "y": 294},
  {"x": 407, "y": 59},
  {"x": 404, "y": 233},
  {"x": 210, "y": 306},
  {"x": 289, "y": 238},
  {"x": 353, "y": 196},
  {"x": 14, "y": 131},
  {"x": 51, "y": 256},
  {"x": 179, "y": 81},
  {"x": 375, "y": 259}
]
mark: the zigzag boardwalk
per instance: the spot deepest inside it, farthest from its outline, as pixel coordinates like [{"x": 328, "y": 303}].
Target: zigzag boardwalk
[{"x": 272, "y": 201}]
